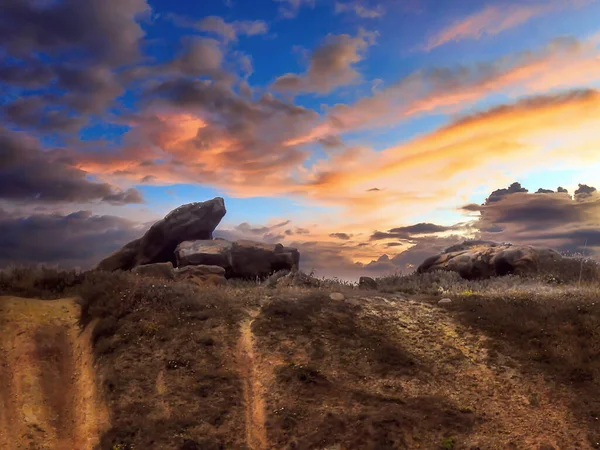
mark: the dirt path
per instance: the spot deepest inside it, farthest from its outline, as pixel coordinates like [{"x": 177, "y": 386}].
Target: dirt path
[
  {"x": 256, "y": 433},
  {"x": 48, "y": 396}
]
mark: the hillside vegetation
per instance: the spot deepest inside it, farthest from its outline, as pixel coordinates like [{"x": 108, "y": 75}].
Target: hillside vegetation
[{"x": 507, "y": 363}]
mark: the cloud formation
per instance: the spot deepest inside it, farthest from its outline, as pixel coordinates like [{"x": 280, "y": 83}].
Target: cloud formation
[
  {"x": 29, "y": 175},
  {"x": 496, "y": 18},
  {"x": 227, "y": 31},
  {"x": 331, "y": 65},
  {"x": 360, "y": 9},
  {"x": 79, "y": 239},
  {"x": 289, "y": 8}
]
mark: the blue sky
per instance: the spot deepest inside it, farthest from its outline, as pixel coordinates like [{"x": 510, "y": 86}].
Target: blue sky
[{"x": 343, "y": 117}]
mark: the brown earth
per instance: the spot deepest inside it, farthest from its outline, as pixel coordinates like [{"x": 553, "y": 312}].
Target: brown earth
[
  {"x": 48, "y": 396},
  {"x": 246, "y": 367}
]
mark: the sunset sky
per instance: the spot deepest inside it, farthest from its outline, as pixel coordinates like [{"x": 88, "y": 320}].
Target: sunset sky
[{"x": 370, "y": 134}]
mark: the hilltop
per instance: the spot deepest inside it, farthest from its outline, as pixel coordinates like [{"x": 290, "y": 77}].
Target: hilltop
[{"x": 425, "y": 361}]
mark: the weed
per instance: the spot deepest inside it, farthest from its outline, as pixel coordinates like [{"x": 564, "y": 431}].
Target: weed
[{"x": 448, "y": 443}]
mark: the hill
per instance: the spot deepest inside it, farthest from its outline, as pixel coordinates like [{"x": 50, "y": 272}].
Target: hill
[{"x": 502, "y": 363}]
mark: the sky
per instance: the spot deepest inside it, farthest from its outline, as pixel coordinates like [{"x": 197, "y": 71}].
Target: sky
[{"x": 369, "y": 134}]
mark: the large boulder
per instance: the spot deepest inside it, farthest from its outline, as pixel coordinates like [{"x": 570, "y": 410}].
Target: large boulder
[
  {"x": 205, "y": 252},
  {"x": 484, "y": 259},
  {"x": 194, "y": 221},
  {"x": 241, "y": 259},
  {"x": 202, "y": 275},
  {"x": 157, "y": 270},
  {"x": 251, "y": 259}
]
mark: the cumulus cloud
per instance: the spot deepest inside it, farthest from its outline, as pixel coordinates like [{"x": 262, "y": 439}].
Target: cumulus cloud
[
  {"x": 198, "y": 57},
  {"x": 331, "y": 65},
  {"x": 28, "y": 174},
  {"x": 62, "y": 57},
  {"x": 555, "y": 218},
  {"x": 79, "y": 239}
]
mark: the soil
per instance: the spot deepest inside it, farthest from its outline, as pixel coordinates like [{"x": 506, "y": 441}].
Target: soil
[{"x": 48, "y": 394}]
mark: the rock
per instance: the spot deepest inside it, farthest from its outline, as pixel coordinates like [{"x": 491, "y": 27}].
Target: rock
[
  {"x": 367, "y": 283},
  {"x": 337, "y": 296},
  {"x": 205, "y": 252},
  {"x": 194, "y": 221},
  {"x": 274, "y": 279},
  {"x": 298, "y": 279},
  {"x": 202, "y": 275},
  {"x": 445, "y": 301},
  {"x": 158, "y": 270},
  {"x": 200, "y": 270},
  {"x": 123, "y": 259},
  {"x": 484, "y": 259},
  {"x": 251, "y": 259}
]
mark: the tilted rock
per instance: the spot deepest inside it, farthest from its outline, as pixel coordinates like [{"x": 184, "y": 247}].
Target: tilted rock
[
  {"x": 209, "y": 253},
  {"x": 157, "y": 270},
  {"x": 483, "y": 259},
  {"x": 194, "y": 221},
  {"x": 123, "y": 259}
]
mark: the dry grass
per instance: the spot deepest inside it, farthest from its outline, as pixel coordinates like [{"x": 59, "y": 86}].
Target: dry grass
[
  {"x": 166, "y": 354},
  {"x": 555, "y": 333}
]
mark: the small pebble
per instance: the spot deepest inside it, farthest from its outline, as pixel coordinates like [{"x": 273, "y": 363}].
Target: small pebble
[
  {"x": 337, "y": 296},
  {"x": 445, "y": 301}
]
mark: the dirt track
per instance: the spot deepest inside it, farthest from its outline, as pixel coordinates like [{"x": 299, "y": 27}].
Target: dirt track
[{"x": 48, "y": 395}]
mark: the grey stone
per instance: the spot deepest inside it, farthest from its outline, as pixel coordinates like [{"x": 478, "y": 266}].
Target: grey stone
[
  {"x": 156, "y": 270},
  {"x": 204, "y": 252},
  {"x": 337, "y": 296}
]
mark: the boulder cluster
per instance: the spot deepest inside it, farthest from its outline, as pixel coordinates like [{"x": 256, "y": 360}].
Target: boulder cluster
[
  {"x": 484, "y": 259},
  {"x": 181, "y": 246}
]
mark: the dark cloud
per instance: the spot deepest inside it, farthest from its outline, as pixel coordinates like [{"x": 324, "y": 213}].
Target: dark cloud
[
  {"x": 500, "y": 193},
  {"x": 105, "y": 30},
  {"x": 409, "y": 231},
  {"x": 78, "y": 239},
  {"x": 199, "y": 57},
  {"x": 331, "y": 65},
  {"x": 62, "y": 57},
  {"x": 28, "y": 174},
  {"x": 342, "y": 236},
  {"x": 584, "y": 191},
  {"x": 553, "y": 219}
]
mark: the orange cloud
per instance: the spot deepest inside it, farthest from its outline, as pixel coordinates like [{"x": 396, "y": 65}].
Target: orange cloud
[
  {"x": 562, "y": 64},
  {"x": 495, "y": 19}
]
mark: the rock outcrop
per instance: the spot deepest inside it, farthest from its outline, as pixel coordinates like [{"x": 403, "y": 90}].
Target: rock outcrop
[
  {"x": 202, "y": 275},
  {"x": 242, "y": 259},
  {"x": 484, "y": 259},
  {"x": 184, "y": 239},
  {"x": 188, "y": 222},
  {"x": 158, "y": 270},
  {"x": 206, "y": 252}
]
